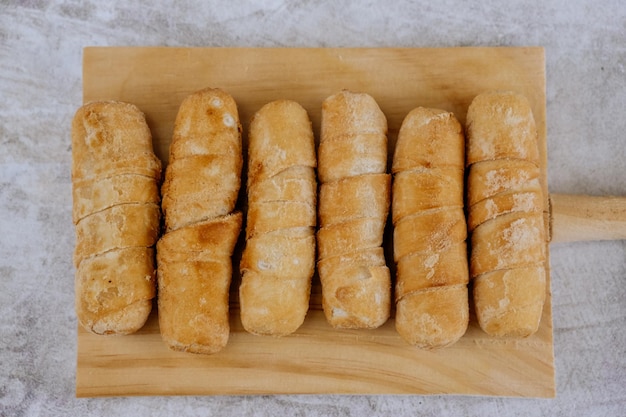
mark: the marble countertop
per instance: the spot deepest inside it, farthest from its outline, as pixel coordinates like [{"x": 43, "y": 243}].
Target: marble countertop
[{"x": 40, "y": 88}]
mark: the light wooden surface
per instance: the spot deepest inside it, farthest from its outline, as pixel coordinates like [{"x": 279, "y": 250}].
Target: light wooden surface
[
  {"x": 317, "y": 358},
  {"x": 580, "y": 217}
]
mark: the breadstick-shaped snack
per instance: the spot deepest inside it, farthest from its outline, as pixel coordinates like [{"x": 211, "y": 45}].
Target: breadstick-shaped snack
[
  {"x": 432, "y": 309},
  {"x": 116, "y": 213},
  {"x": 353, "y": 207},
  {"x": 278, "y": 261},
  {"x": 505, "y": 216},
  {"x": 194, "y": 255}
]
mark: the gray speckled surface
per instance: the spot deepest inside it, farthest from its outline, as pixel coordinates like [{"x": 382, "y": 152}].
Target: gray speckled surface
[{"x": 40, "y": 87}]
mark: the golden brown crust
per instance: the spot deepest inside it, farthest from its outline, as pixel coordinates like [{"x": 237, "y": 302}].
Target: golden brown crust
[
  {"x": 121, "y": 226},
  {"x": 504, "y": 203},
  {"x": 350, "y": 236},
  {"x": 430, "y": 230},
  {"x": 357, "y": 296},
  {"x": 116, "y": 211},
  {"x": 490, "y": 178},
  {"x": 198, "y": 188},
  {"x": 506, "y": 217},
  {"x": 351, "y": 155},
  {"x": 510, "y": 241},
  {"x": 422, "y": 270},
  {"x": 114, "y": 290},
  {"x": 347, "y": 113},
  {"x": 203, "y": 177},
  {"x": 510, "y": 302},
  {"x": 194, "y": 275},
  {"x": 293, "y": 184},
  {"x": 215, "y": 237},
  {"x": 434, "y": 318},
  {"x": 429, "y": 138},
  {"x": 353, "y": 209},
  {"x": 193, "y": 304},
  {"x": 111, "y": 138},
  {"x": 199, "y": 194},
  {"x": 280, "y": 138},
  {"x": 369, "y": 196},
  {"x": 280, "y": 304},
  {"x": 357, "y": 288},
  {"x": 97, "y": 194},
  {"x": 270, "y": 216},
  {"x": 418, "y": 190},
  {"x": 207, "y": 123},
  {"x": 501, "y": 125},
  {"x": 374, "y": 256},
  {"x": 278, "y": 261},
  {"x": 284, "y": 253}
]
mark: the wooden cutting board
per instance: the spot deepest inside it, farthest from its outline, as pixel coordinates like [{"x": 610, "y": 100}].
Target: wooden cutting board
[{"x": 317, "y": 358}]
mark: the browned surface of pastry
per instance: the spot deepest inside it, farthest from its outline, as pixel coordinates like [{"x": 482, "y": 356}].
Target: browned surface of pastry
[
  {"x": 116, "y": 213},
  {"x": 278, "y": 261},
  {"x": 200, "y": 190},
  {"x": 508, "y": 242},
  {"x": 353, "y": 209},
  {"x": 431, "y": 294}
]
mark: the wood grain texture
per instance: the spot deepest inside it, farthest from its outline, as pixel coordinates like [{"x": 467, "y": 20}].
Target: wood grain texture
[
  {"x": 581, "y": 217},
  {"x": 316, "y": 358}
]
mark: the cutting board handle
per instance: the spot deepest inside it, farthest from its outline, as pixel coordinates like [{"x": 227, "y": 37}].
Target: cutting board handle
[{"x": 583, "y": 217}]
